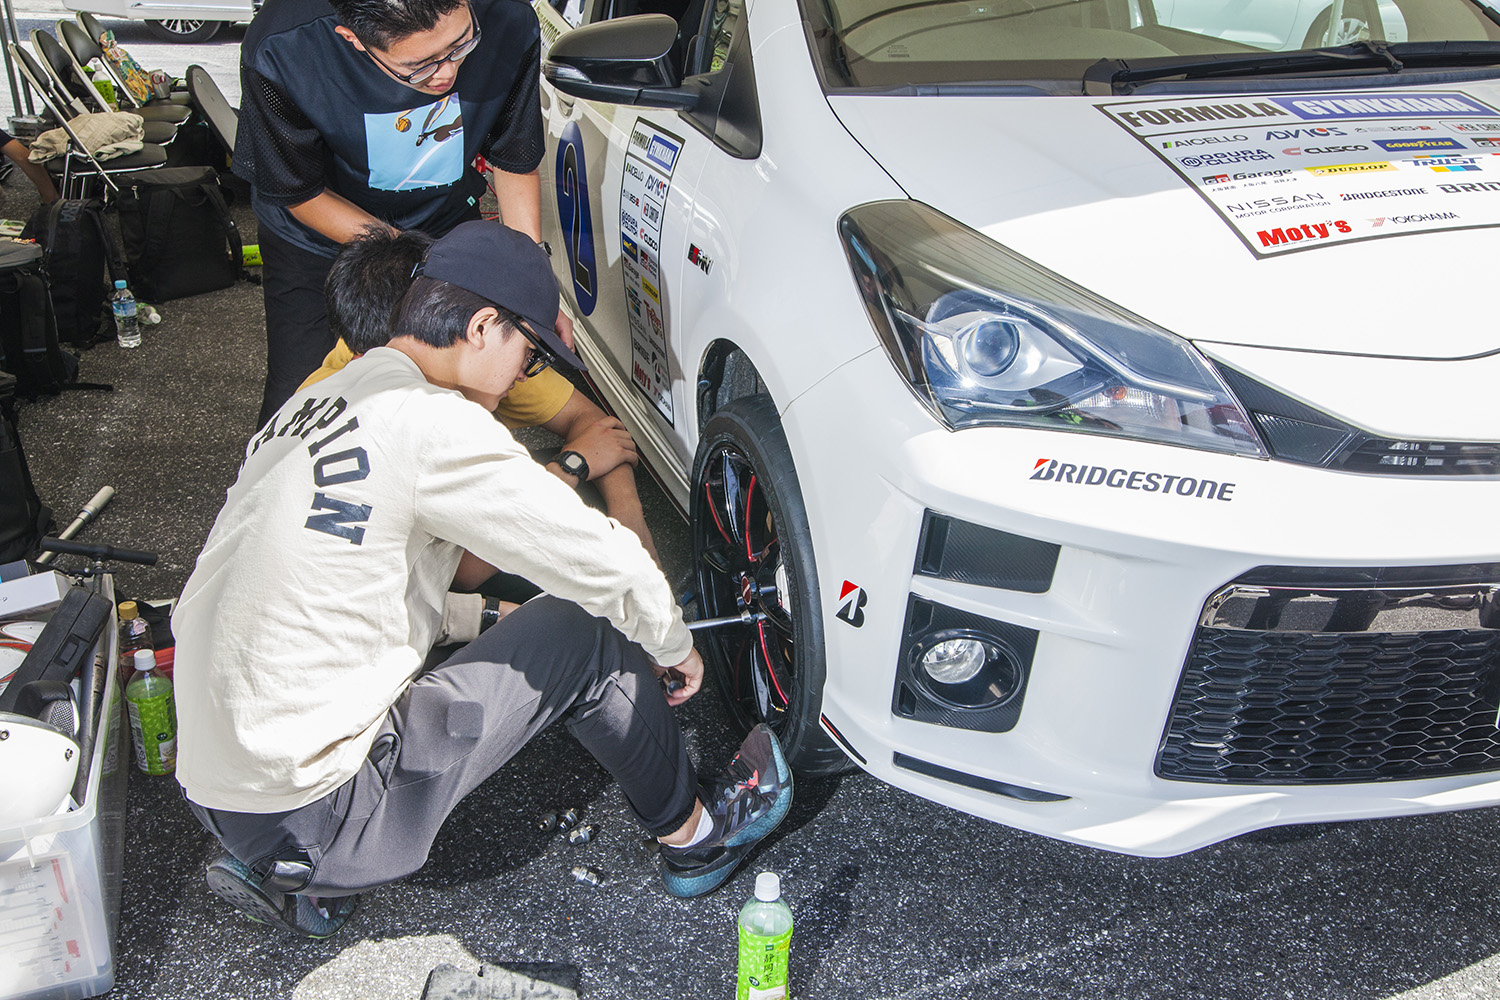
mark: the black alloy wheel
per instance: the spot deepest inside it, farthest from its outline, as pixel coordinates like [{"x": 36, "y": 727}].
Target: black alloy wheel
[
  {"x": 184, "y": 29},
  {"x": 753, "y": 555}
]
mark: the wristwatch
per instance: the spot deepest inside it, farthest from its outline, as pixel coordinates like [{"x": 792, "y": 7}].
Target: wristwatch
[
  {"x": 574, "y": 465},
  {"x": 491, "y": 613}
]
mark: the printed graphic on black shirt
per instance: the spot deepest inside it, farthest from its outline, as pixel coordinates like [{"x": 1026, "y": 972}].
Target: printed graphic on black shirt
[{"x": 419, "y": 148}]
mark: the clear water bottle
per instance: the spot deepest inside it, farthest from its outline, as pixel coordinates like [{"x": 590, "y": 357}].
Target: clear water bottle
[
  {"x": 765, "y": 942},
  {"x": 127, "y": 331},
  {"x": 153, "y": 716}
]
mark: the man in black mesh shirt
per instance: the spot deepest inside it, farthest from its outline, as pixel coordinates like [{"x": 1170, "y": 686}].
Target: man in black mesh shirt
[{"x": 373, "y": 111}]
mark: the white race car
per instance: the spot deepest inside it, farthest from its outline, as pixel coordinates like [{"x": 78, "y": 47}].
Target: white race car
[{"x": 1083, "y": 421}]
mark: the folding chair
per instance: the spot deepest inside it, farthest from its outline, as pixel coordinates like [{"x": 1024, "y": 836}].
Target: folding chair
[
  {"x": 73, "y": 184},
  {"x": 212, "y": 106},
  {"x": 83, "y": 50},
  {"x": 94, "y": 29},
  {"x": 58, "y": 64}
]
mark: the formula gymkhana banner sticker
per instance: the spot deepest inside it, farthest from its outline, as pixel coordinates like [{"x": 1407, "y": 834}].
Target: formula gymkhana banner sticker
[
  {"x": 643, "y": 200},
  {"x": 1290, "y": 173}
]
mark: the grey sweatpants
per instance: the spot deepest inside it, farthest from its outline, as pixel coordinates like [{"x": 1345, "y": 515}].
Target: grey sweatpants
[{"x": 457, "y": 724}]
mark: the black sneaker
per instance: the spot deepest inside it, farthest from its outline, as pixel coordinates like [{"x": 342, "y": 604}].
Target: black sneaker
[
  {"x": 746, "y": 802},
  {"x": 308, "y": 916}
]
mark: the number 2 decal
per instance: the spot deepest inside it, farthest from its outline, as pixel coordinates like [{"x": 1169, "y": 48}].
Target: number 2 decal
[{"x": 576, "y": 218}]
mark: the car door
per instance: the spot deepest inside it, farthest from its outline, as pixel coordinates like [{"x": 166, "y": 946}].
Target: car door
[{"x": 617, "y": 197}]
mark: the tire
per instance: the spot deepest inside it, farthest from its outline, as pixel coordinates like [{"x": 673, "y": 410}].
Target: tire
[
  {"x": 1354, "y": 26},
  {"x": 746, "y": 500},
  {"x": 184, "y": 29}
]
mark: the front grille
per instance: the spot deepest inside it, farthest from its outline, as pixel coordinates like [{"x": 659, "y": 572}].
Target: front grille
[{"x": 1299, "y": 685}]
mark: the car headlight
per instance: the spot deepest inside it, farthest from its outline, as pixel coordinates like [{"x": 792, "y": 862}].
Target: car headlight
[{"x": 985, "y": 336}]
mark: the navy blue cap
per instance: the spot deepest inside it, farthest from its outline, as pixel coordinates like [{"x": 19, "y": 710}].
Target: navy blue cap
[{"x": 506, "y": 267}]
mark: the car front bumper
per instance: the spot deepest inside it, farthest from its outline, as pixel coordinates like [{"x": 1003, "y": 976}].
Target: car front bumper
[{"x": 1115, "y": 619}]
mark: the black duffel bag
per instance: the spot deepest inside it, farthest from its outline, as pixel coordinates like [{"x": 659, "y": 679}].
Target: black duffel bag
[
  {"x": 82, "y": 262},
  {"x": 29, "y": 347},
  {"x": 179, "y": 238}
]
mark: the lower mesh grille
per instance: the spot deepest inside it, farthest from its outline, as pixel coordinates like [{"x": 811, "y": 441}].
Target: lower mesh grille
[{"x": 1286, "y": 708}]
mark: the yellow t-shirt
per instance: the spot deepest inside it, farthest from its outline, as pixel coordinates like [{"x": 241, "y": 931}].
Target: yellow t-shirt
[{"x": 528, "y": 404}]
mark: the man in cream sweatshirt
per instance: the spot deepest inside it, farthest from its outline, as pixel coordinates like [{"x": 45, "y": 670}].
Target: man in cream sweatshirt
[{"x": 312, "y": 742}]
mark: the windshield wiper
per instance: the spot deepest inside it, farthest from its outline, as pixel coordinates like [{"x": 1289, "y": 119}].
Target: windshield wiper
[{"x": 1117, "y": 76}]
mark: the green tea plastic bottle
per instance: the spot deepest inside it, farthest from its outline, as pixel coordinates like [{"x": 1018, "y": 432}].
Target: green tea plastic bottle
[
  {"x": 765, "y": 942},
  {"x": 153, "y": 716}
]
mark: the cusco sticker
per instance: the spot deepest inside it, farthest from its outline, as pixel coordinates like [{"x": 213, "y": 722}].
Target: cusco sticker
[
  {"x": 576, "y": 219},
  {"x": 1299, "y": 172}
]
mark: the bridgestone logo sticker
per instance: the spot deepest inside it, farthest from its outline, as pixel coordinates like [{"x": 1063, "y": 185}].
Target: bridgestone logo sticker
[{"x": 1050, "y": 470}]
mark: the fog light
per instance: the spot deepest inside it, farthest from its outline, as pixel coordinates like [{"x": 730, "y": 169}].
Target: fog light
[
  {"x": 967, "y": 669},
  {"x": 954, "y": 661}
]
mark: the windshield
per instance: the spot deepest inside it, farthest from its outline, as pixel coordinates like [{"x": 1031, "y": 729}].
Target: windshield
[{"x": 893, "y": 43}]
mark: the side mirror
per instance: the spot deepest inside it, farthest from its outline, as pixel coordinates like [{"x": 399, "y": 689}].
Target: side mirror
[{"x": 628, "y": 60}]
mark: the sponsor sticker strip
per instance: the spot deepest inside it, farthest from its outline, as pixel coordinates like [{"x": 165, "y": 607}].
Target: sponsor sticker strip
[
  {"x": 651, "y": 158},
  {"x": 1291, "y": 173}
]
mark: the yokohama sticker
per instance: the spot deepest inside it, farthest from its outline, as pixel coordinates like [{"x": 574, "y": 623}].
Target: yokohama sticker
[
  {"x": 644, "y": 185},
  {"x": 1285, "y": 192}
]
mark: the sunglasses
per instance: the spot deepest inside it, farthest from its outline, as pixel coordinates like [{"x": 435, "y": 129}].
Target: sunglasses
[{"x": 425, "y": 72}]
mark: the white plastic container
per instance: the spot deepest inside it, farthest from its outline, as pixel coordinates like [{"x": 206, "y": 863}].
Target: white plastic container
[{"x": 60, "y": 874}]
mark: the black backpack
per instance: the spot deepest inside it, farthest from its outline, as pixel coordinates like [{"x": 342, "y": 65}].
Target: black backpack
[
  {"x": 29, "y": 348},
  {"x": 179, "y": 237},
  {"x": 80, "y": 248},
  {"x": 24, "y": 519}
]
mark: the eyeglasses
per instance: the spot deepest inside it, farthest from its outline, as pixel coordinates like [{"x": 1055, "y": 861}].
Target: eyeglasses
[
  {"x": 425, "y": 72},
  {"x": 541, "y": 358}
]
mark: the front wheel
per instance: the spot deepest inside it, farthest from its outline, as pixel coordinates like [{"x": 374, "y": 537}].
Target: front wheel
[
  {"x": 753, "y": 554},
  {"x": 184, "y": 29}
]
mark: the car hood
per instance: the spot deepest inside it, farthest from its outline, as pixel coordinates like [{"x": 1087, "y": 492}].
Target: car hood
[{"x": 1366, "y": 231}]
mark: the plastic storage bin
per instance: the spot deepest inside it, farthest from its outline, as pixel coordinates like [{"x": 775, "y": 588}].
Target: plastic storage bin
[{"x": 60, "y": 874}]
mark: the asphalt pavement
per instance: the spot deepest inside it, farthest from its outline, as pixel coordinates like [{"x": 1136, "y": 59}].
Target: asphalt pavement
[{"x": 893, "y": 897}]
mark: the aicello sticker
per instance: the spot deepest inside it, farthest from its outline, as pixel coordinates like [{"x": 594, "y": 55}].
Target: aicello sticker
[
  {"x": 1050, "y": 470},
  {"x": 852, "y": 604}
]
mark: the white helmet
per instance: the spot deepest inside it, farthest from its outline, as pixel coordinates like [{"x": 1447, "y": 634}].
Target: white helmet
[{"x": 37, "y": 768}]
